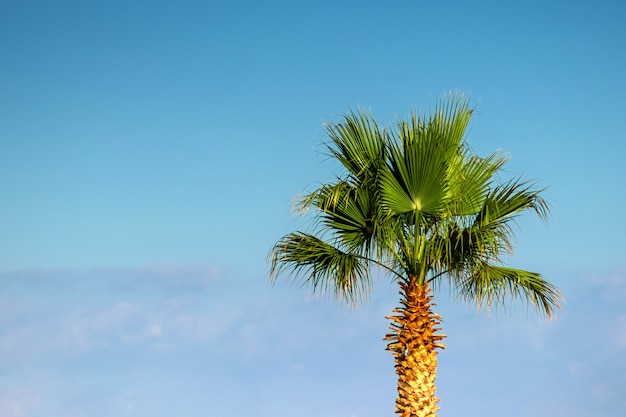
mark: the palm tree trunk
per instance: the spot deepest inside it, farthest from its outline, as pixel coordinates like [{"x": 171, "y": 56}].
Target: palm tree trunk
[{"x": 414, "y": 343}]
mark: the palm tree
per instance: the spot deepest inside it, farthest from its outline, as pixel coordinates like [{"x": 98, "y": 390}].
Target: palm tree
[{"x": 415, "y": 202}]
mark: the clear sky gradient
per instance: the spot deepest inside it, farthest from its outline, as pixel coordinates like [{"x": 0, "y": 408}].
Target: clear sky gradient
[{"x": 149, "y": 156}]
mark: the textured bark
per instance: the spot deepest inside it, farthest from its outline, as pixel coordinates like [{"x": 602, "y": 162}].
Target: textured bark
[{"x": 414, "y": 342}]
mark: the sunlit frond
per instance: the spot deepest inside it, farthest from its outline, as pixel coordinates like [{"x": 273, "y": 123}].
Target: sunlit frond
[
  {"x": 507, "y": 200},
  {"x": 358, "y": 144},
  {"x": 417, "y": 178},
  {"x": 492, "y": 285},
  {"x": 470, "y": 179},
  {"x": 324, "y": 267}
]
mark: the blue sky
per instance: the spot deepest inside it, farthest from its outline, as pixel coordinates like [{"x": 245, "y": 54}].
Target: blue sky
[{"x": 149, "y": 156}]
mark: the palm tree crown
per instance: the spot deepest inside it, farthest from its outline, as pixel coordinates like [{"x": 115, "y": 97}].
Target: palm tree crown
[{"x": 415, "y": 201}]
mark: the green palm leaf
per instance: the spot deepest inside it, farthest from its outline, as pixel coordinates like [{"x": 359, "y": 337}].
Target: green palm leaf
[
  {"x": 358, "y": 144},
  {"x": 509, "y": 199},
  {"x": 416, "y": 180},
  {"x": 492, "y": 285},
  {"x": 325, "y": 267},
  {"x": 470, "y": 179}
]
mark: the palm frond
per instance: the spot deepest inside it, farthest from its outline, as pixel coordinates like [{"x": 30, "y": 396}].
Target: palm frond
[
  {"x": 328, "y": 195},
  {"x": 421, "y": 155},
  {"x": 509, "y": 199},
  {"x": 350, "y": 214},
  {"x": 325, "y": 267},
  {"x": 470, "y": 180},
  {"x": 416, "y": 180},
  {"x": 491, "y": 285},
  {"x": 450, "y": 119},
  {"x": 358, "y": 144}
]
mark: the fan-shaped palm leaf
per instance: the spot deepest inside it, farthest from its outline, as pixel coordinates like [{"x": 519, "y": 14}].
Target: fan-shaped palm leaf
[
  {"x": 492, "y": 285},
  {"x": 324, "y": 266}
]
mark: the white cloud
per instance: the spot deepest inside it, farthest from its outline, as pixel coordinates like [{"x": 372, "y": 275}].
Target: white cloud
[
  {"x": 115, "y": 343},
  {"x": 52, "y": 320}
]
